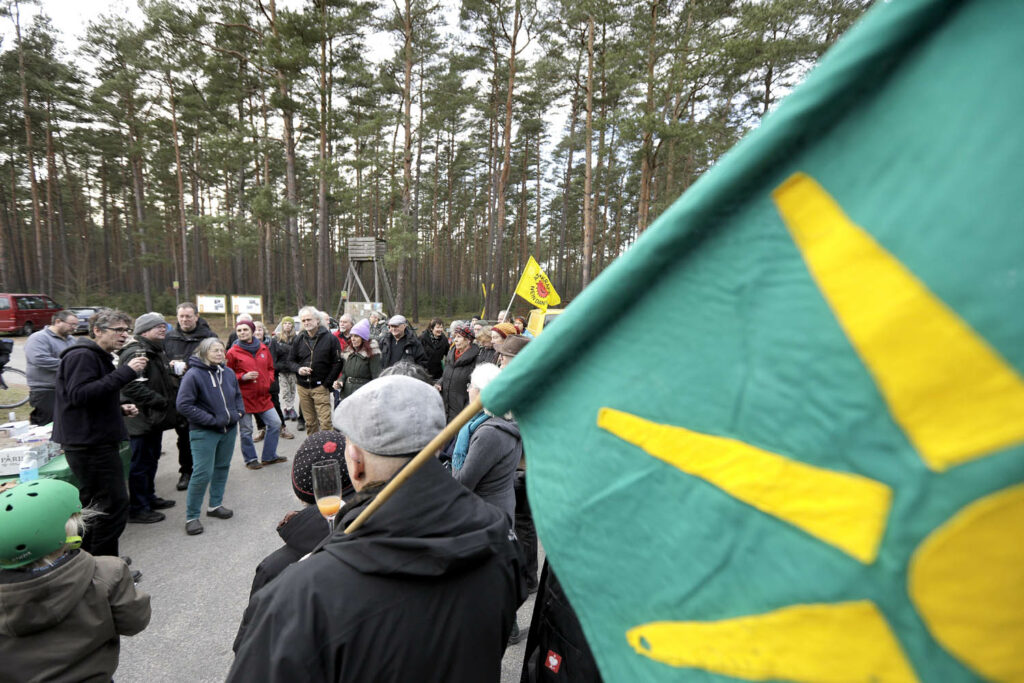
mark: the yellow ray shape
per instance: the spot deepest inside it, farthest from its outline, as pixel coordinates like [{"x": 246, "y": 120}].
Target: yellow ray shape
[
  {"x": 842, "y": 642},
  {"x": 967, "y": 581},
  {"x": 845, "y": 510},
  {"x": 954, "y": 396}
]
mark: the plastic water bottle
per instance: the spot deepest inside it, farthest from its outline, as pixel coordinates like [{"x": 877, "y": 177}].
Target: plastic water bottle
[
  {"x": 12, "y": 416},
  {"x": 29, "y": 470}
]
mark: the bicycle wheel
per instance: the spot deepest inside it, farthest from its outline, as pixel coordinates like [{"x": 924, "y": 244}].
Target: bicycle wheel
[{"x": 15, "y": 393}]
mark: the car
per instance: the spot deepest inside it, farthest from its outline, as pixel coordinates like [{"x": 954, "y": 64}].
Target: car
[
  {"x": 83, "y": 313},
  {"x": 26, "y": 313},
  {"x": 539, "y": 318}
]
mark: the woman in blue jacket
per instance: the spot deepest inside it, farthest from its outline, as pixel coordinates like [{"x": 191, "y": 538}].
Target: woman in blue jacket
[{"x": 211, "y": 402}]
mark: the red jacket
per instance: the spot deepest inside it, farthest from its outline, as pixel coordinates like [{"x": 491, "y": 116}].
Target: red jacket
[{"x": 255, "y": 392}]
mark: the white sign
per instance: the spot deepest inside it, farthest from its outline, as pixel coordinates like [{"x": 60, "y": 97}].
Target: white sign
[
  {"x": 212, "y": 303},
  {"x": 362, "y": 309},
  {"x": 247, "y": 303}
]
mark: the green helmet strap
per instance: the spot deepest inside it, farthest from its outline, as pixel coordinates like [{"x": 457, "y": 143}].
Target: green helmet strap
[{"x": 32, "y": 520}]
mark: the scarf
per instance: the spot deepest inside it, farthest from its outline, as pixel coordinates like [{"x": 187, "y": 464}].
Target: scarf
[
  {"x": 252, "y": 347},
  {"x": 462, "y": 440}
]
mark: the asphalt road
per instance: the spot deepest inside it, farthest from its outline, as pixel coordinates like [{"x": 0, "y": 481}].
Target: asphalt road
[{"x": 199, "y": 585}]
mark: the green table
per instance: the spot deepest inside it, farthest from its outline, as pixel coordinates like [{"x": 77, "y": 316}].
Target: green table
[{"x": 58, "y": 467}]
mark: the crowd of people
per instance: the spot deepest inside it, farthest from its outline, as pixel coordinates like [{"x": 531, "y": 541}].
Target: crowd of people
[{"x": 369, "y": 395}]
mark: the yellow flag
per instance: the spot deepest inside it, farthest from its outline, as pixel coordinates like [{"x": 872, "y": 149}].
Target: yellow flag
[{"x": 535, "y": 287}]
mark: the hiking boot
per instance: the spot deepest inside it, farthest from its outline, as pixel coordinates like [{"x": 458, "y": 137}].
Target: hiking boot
[
  {"x": 220, "y": 512},
  {"x": 254, "y": 465},
  {"x": 259, "y": 435},
  {"x": 146, "y": 517},
  {"x": 300, "y": 425},
  {"x": 285, "y": 434}
]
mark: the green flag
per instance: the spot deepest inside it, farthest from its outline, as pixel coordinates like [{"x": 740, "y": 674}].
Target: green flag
[{"x": 800, "y": 456}]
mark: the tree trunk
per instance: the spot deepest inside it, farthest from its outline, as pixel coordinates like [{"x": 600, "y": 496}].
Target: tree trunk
[
  {"x": 646, "y": 148},
  {"x": 37, "y": 283},
  {"x": 588, "y": 218},
  {"x": 182, "y": 231},
  {"x": 323, "y": 235},
  {"x": 506, "y": 158}
]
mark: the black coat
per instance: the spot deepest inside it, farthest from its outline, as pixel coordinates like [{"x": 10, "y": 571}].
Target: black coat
[
  {"x": 180, "y": 345},
  {"x": 436, "y": 349},
  {"x": 426, "y": 590},
  {"x": 155, "y": 397},
  {"x": 408, "y": 348},
  {"x": 300, "y": 534},
  {"x": 455, "y": 380},
  {"x": 488, "y": 354},
  {"x": 322, "y": 352},
  {"x": 87, "y": 405},
  {"x": 279, "y": 351}
]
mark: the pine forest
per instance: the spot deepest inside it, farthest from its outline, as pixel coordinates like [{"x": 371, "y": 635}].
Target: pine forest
[{"x": 236, "y": 145}]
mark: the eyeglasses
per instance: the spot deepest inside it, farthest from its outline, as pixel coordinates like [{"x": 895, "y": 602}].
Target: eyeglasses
[{"x": 118, "y": 330}]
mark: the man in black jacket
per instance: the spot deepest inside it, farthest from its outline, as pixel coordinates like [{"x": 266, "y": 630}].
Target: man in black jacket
[
  {"x": 401, "y": 345},
  {"x": 427, "y": 589},
  {"x": 88, "y": 423},
  {"x": 315, "y": 358},
  {"x": 180, "y": 343},
  {"x": 154, "y": 397}
]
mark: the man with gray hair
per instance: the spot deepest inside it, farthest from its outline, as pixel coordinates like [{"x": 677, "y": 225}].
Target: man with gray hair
[
  {"x": 315, "y": 358},
  {"x": 42, "y": 358},
  {"x": 427, "y": 588}
]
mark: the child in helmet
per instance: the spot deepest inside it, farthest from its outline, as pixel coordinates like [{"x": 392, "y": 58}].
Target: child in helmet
[{"x": 62, "y": 611}]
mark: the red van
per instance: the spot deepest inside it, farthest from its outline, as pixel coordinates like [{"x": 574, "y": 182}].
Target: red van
[{"x": 26, "y": 313}]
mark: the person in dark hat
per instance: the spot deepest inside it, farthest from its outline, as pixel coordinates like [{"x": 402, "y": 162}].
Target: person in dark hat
[
  {"x": 427, "y": 587},
  {"x": 154, "y": 397},
  {"x": 302, "y": 530}
]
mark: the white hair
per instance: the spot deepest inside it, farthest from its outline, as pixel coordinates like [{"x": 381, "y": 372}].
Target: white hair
[
  {"x": 243, "y": 316},
  {"x": 483, "y": 375},
  {"x": 310, "y": 310}
]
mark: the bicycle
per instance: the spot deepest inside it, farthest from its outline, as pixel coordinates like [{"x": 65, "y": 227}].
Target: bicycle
[{"x": 13, "y": 384}]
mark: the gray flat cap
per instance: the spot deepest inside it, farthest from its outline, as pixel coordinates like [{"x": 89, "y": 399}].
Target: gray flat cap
[
  {"x": 393, "y": 415},
  {"x": 398, "y": 320}
]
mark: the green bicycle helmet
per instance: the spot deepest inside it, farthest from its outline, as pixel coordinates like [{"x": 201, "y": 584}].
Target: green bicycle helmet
[{"x": 32, "y": 520}]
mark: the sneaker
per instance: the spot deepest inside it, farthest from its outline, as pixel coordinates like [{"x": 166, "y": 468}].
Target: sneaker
[
  {"x": 285, "y": 434},
  {"x": 220, "y": 512},
  {"x": 259, "y": 436},
  {"x": 159, "y": 503},
  {"x": 280, "y": 458},
  {"x": 193, "y": 527},
  {"x": 146, "y": 517},
  {"x": 183, "y": 481},
  {"x": 254, "y": 465}
]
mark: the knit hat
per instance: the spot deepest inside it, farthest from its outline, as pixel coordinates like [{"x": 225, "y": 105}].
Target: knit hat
[
  {"x": 251, "y": 324},
  {"x": 323, "y": 446},
  {"x": 465, "y": 331},
  {"x": 505, "y": 329},
  {"x": 288, "y": 319},
  {"x": 362, "y": 329},
  {"x": 513, "y": 345},
  {"x": 391, "y": 416},
  {"x": 146, "y": 322}
]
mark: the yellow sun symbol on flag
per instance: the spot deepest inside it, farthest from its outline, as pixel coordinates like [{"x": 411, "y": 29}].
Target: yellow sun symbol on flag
[{"x": 956, "y": 399}]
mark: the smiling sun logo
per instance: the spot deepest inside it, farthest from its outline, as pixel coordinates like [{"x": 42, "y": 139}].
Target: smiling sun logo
[{"x": 956, "y": 400}]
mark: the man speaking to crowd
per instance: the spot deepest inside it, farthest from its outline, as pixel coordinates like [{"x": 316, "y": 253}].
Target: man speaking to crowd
[{"x": 427, "y": 589}]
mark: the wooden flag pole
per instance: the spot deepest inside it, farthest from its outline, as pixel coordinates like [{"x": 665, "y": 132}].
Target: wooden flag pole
[{"x": 428, "y": 452}]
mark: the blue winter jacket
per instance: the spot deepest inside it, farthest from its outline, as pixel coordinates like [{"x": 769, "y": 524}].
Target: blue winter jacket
[{"x": 209, "y": 397}]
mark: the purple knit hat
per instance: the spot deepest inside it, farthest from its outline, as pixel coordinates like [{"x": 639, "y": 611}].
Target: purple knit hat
[{"x": 362, "y": 329}]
